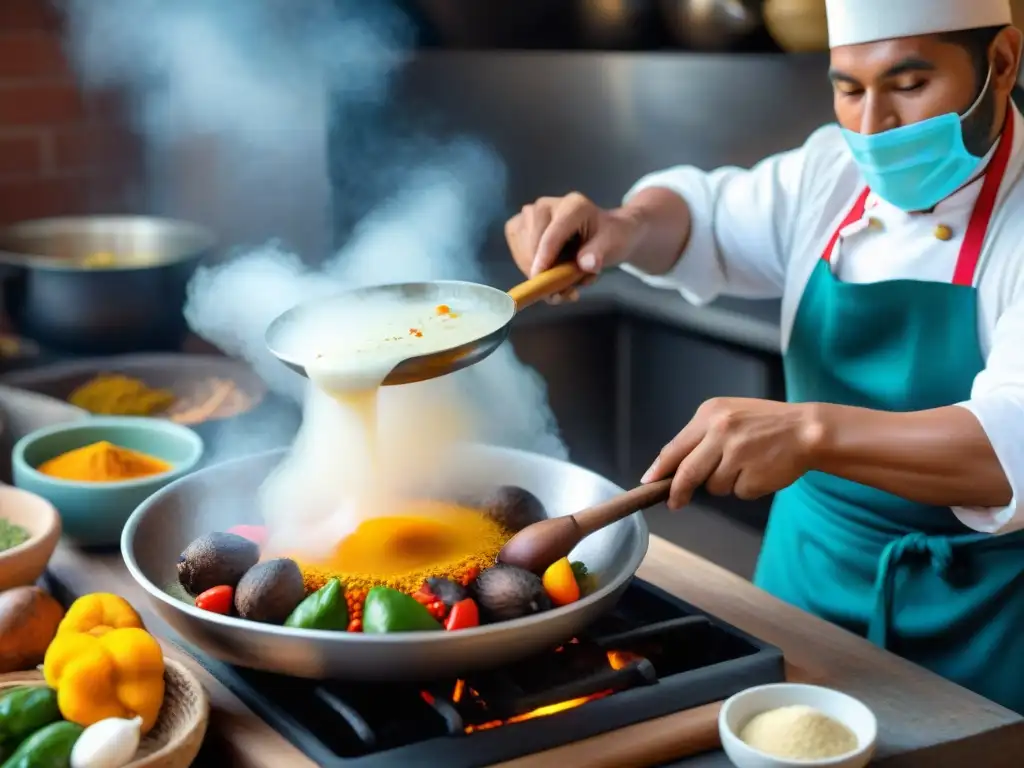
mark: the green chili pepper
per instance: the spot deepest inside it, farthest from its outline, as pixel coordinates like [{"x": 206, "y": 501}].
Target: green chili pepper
[
  {"x": 324, "y": 609},
  {"x": 49, "y": 747},
  {"x": 388, "y": 610},
  {"x": 25, "y": 710}
]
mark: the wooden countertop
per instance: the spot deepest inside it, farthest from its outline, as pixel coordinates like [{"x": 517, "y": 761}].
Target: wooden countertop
[{"x": 923, "y": 720}]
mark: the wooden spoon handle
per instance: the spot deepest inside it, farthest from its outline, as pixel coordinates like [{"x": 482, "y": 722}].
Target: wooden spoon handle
[
  {"x": 613, "y": 510},
  {"x": 545, "y": 285},
  {"x": 564, "y": 275}
]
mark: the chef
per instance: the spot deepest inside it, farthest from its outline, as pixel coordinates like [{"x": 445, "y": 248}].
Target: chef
[{"x": 895, "y": 241}]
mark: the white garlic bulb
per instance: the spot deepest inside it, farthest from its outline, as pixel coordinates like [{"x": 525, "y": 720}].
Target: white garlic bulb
[{"x": 110, "y": 743}]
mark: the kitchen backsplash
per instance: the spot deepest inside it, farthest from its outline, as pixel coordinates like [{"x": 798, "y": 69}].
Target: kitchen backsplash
[{"x": 62, "y": 151}]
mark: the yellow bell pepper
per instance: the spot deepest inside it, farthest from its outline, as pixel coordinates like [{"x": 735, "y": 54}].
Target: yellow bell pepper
[
  {"x": 118, "y": 674},
  {"x": 99, "y": 613}
]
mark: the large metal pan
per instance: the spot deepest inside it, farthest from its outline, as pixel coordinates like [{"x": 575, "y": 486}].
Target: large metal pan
[{"x": 225, "y": 495}]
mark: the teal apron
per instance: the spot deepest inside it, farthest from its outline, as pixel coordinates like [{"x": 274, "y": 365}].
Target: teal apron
[{"x": 910, "y": 577}]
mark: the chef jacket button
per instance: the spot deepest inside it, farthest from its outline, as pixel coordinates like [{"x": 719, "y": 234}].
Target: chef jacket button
[
  {"x": 875, "y": 224},
  {"x": 942, "y": 232}
]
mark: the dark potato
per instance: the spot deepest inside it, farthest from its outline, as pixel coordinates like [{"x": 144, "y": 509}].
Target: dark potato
[
  {"x": 270, "y": 591},
  {"x": 513, "y": 507},
  {"x": 505, "y": 592},
  {"x": 214, "y": 560}
]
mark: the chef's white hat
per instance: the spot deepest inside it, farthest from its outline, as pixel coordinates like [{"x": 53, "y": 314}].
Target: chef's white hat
[{"x": 851, "y": 22}]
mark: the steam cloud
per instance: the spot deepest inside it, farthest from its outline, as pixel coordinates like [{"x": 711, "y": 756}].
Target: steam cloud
[{"x": 256, "y": 74}]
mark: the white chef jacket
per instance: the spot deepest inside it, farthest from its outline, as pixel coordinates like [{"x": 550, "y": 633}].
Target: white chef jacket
[{"x": 759, "y": 233}]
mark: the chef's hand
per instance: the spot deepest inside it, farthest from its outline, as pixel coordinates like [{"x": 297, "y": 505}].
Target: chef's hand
[
  {"x": 539, "y": 232},
  {"x": 738, "y": 446}
]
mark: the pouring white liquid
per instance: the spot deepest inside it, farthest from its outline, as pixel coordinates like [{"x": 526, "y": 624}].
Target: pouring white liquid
[
  {"x": 352, "y": 374},
  {"x": 328, "y": 496}
]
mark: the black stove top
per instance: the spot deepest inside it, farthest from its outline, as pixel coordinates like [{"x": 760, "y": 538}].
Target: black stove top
[{"x": 653, "y": 656}]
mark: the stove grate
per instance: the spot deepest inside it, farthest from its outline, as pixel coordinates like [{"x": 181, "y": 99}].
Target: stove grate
[{"x": 652, "y": 656}]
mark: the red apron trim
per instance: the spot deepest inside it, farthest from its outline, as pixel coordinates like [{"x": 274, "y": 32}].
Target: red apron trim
[
  {"x": 981, "y": 216},
  {"x": 856, "y": 214}
]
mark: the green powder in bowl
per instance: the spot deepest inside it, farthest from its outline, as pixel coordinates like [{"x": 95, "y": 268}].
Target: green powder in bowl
[{"x": 11, "y": 535}]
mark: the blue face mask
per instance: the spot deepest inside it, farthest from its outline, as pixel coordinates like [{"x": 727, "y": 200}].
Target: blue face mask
[{"x": 917, "y": 166}]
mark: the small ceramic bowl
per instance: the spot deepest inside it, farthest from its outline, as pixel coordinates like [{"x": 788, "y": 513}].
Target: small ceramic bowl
[
  {"x": 23, "y": 564},
  {"x": 93, "y": 514},
  {"x": 738, "y": 710}
]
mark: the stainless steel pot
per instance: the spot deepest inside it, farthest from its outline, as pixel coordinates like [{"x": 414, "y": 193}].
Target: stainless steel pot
[
  {"x": 53, "y": 295},
  {"x": 225, "y": 495}
]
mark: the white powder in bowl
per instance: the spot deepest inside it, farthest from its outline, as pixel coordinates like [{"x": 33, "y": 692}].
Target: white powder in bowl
[{"x": 798, "y": 733}]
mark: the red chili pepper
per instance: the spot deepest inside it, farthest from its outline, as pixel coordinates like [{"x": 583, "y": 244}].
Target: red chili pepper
[
  {"x": 217, "y": 600},
  {"x": 463, "y": 616},
  {"x": 423, "y": 596}
]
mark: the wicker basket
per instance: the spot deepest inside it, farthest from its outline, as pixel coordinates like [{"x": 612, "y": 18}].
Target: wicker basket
[{"x": 175, "y": 740}]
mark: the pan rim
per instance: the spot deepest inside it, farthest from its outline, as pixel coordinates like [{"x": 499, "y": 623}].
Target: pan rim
[{"x": 638, "y": 545}]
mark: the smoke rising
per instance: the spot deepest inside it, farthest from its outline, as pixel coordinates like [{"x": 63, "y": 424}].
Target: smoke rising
[
  {"x": 257, "y": 74},
  {"x": 249, "y": 69}
]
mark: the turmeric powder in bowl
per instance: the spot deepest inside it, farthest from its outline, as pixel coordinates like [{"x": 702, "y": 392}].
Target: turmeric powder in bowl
[
  {"x": 103, "y": 462},
  {"x": 96, "y": 470}
]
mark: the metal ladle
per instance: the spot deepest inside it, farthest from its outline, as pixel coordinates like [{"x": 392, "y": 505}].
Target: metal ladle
[{"x": 502, "y": 304}]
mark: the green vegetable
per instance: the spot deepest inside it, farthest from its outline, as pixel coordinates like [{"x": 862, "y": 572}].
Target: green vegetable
[
  {"x": 11, "y": 535},
  {"x": 324, "y": 609},
  {"x": 586, "y": 580},
  {"x": 25, "y": 711},
  {"x": 47, "y": 748},
  {"x": 388, "y": 610}
]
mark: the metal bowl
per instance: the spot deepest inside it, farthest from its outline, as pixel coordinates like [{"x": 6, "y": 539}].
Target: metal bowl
[
  {"x": 56, "y": 294},
  {"x": 225, "y": 495}
]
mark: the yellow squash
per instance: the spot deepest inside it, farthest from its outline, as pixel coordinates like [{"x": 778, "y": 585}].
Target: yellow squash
[
  {"x": 97, "y": 614},
  {"x": 119, "y": 673}
]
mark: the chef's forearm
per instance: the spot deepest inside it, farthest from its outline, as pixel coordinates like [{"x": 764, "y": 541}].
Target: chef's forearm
[
  {"x": 940, "y": 456},
  {"x": 664, "y": 229}
]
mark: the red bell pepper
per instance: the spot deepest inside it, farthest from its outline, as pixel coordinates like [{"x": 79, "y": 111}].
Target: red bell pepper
[{"x": 464, "y": 614}]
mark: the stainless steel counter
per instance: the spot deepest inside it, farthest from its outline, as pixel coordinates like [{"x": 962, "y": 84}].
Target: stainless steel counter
[{"x": 595, "y": 122}]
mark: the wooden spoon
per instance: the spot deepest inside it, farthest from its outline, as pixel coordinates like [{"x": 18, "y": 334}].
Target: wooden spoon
[
  {"x": 545, "y": 285},
  {"x": 540, "y": 544}
]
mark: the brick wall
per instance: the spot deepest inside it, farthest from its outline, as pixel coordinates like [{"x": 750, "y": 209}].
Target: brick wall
[{"x": 62, "y": 151}]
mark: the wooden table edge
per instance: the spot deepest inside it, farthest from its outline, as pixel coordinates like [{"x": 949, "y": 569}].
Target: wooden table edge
[{"x": 251, "y": 742}]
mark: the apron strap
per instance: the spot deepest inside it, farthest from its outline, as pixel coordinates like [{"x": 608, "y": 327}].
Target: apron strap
[
  {"x": 984, "y": 208},
  {"x": 855, "y": 214},
  {"x": 938, "y": 550}
]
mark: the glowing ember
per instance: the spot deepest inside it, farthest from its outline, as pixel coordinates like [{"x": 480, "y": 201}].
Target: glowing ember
[
  {"x": 616, "y": 660},
  {"x": 545, "y": 711}
]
